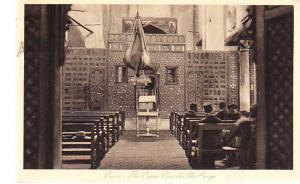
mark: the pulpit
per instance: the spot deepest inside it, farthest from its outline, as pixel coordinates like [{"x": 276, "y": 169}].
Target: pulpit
[{"x": 147, "y": 110}]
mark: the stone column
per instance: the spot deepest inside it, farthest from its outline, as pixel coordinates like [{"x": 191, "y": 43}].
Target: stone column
[
  {"x": 244, "y": 75},
  {"x": 244, "y": 80},
  {"x": 254, "y": 85}
]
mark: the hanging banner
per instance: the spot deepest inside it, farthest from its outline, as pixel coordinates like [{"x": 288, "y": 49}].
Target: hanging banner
[{"x": 136, "y": 55}]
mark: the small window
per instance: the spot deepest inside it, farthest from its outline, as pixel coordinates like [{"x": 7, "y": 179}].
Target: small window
[
  {"x": 121, "y": 74},
  {"x": 171, "y": 75}
]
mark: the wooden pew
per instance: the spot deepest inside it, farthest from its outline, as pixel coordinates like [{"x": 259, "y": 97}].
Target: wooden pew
[
  {"x": 179, "y": 125},
  {"x": 178, "y": 119},
  {"x": 102, "y": 121},
  {"x": 174, "y": 114},
  {"x": 119, "y": 121},
  {"x": 172, "y": 123},
  {"x": 183, "y": 128},
  {"x": 187, "y": 132},
  {"x": 209, "y": 140},
  {"x": 114, "y": 120},
  {"x": 122, "y": 121},
  {"x": 90, "y": 145},
  {"x": 107, "y": 126}
]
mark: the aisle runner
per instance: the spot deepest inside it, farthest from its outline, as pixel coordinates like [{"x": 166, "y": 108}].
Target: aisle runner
[{"x": 148, "y": 153}]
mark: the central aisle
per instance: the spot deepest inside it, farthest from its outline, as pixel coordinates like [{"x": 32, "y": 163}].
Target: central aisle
[{"x": 148, "y": 153}]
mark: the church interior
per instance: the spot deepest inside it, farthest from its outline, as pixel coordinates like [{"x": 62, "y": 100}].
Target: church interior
[{"x": 183, "y": 87}]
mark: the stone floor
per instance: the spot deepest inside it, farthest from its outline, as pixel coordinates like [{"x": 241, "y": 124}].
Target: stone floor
[{"x": 146, "y": 153}]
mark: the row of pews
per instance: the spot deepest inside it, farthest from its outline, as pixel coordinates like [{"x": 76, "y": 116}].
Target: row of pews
[
  {"x": 201, "y": 141},
  {"x": 88, "y": 135}
]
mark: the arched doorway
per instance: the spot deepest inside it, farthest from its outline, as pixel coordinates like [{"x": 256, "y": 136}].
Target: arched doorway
[{"x": 195, "y": 88}]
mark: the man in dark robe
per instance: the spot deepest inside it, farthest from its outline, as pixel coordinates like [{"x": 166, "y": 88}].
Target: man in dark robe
[
  {"x": 211, "y": 138},
  {"x": 222, "y": 114},
  {"x": 246, "y": 131},
  {"x": 193, "y": 111},
  {"x": 232, "y": 112},
  {"x": 209, "y": 116}
]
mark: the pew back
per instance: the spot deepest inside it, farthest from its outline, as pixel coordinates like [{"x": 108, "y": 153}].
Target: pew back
[
  {"x": 87, "y": 143},
  {"x": 209, "y": 138}
]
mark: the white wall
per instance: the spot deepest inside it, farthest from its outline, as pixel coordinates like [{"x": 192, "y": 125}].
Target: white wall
[
  {"x": 150, "y": 10},
  {"x": 211, "y": 21},
  {"x": 233, "y": 16},
  {"x": 93, "y": 15},
  {"x": 184, "y": 15},
  {"x": 212, "y": 27},
  {"x": 116, "y": 13}
]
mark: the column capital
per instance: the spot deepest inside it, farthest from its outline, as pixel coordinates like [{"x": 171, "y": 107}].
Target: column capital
[{"x": 246, "y": 44}]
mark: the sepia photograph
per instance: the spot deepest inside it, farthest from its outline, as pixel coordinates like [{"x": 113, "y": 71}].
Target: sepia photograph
[{"x": 189, "y": 87}]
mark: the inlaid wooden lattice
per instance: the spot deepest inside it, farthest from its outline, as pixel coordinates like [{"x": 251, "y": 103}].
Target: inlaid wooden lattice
[
  {"x": 171, "y": 96},
  {"x": 195, "y": 88},
  {"x": 31, "y": 91},
  {"x": 279, "y": 63},
  {"x": 233, "y": 72},
  {"x": 121, "y": 94},
  {"x": 155, "y": 42},
  {"x": 96, "y": 89},
  {"x": 220, "y": 77},
  {"x": 166, "y": 50},
  {"x": 84, "y": 79}
]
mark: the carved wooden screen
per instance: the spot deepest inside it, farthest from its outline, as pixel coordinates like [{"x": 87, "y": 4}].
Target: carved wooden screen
[
  {"x": 84, "y": 79},
  {"x": 274, "y": 42},
  {"x": 96, "y": 89},
  {"x": 233, "y": 83},
  {"x": 279, "y": 81},
  {"x": 195, "y": 88},
  {"x": 43, "y": 55},
  {"x": 31, "y": 90},
  {"x": 166, "y": 50},
  {"x": 219, "y": 73}
]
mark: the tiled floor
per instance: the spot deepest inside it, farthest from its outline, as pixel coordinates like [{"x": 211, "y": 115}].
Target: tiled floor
[{"x": 146, "y": 153}]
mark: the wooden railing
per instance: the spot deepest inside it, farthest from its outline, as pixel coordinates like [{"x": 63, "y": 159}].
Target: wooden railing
[{"x": 154, "y": 42}]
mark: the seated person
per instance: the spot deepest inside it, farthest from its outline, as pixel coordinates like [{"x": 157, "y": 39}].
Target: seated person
[
  {"x": 246, "y": 132},
  {"x": 212, "y": 139},
  {"x": 232, "y": 112},
  {"x": 223, "y": 111},
  {"x": 209, "y": 117},
  {"x": 192, "y": 112}
]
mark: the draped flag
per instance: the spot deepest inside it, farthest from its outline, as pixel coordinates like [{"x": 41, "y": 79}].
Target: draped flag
[{"x": 136, "y": 55}]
